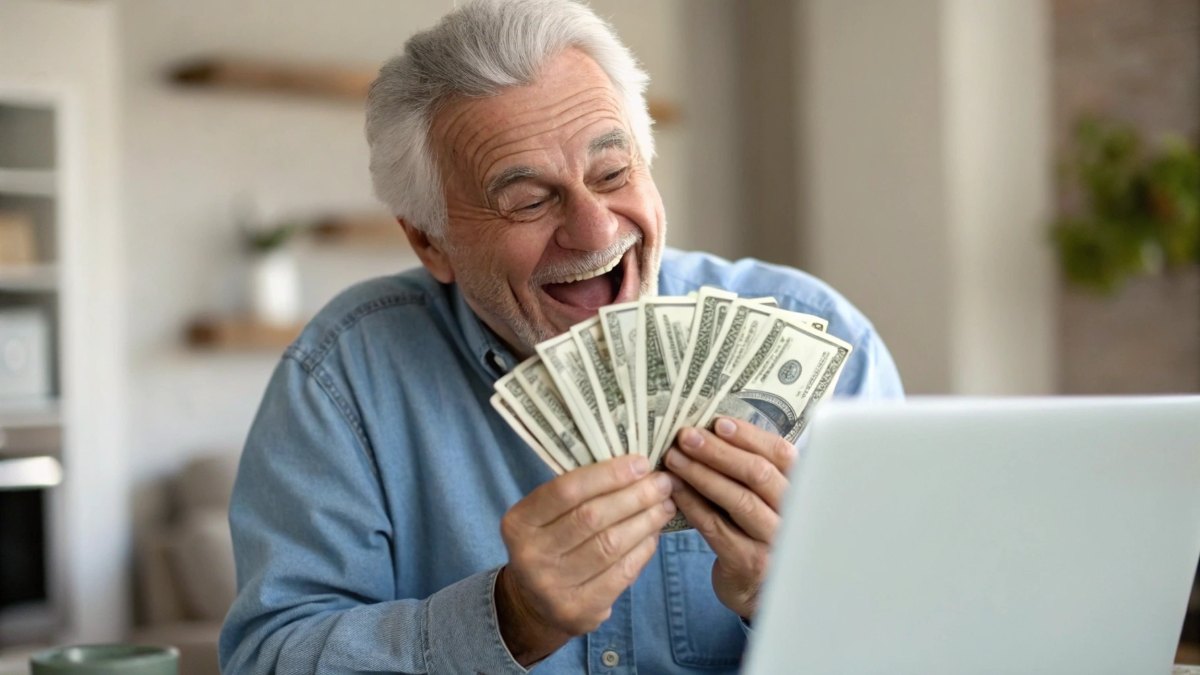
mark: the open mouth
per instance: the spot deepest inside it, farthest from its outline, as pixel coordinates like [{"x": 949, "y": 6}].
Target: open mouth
[{"x": 591, "y": 290}]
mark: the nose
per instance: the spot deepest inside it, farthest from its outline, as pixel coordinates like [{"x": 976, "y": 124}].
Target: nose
[{"x": 589, "y": 226}]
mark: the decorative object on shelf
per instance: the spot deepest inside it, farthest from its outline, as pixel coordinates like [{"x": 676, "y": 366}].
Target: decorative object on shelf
[
  {"x": 24, "y": 355},
  {"x": 17, "y": 245},
  {"x": 331, "y": 82},
  {"x": 1140, "y": 207},
  {"x": 274, "y": 274}
]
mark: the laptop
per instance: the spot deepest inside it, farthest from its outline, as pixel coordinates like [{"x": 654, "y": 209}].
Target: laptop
[{"x": 956, "y": 536}]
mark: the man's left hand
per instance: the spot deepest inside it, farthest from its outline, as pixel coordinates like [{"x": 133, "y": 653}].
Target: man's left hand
[{"x": 742, "y": 471}]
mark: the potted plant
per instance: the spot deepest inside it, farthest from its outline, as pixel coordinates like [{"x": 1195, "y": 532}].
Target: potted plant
[
  {"x": 274, "y": 274},
  {"x": 1137, "y": 210}
]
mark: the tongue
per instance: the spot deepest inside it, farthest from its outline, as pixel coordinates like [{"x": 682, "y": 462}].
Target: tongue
[{"x": 591, "y": 293}]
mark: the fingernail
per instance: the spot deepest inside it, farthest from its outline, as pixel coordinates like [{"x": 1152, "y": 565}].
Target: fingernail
[
  {"x": 640, "y": 466},
  {"x": 726, "y": 427},
  {"x": 663, "y": 482},
  {"x": 676, "y": 459},
  {"x": 669, "y": 507},
  {"x": 690, "y": 439}
]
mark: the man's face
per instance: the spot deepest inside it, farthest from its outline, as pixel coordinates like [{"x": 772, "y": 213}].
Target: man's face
[{"x": 552, "y": 212}]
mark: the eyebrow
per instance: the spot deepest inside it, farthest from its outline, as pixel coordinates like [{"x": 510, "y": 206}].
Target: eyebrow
[
  {"x": 509, "y": 176},
  {"x": 617, "y": 138}
]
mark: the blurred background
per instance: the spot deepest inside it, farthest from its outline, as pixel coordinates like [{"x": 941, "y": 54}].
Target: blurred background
[{"x": 182, "y": 183}]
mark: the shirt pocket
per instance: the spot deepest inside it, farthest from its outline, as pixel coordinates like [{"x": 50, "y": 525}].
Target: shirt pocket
[{"x": 704, "y": 633}]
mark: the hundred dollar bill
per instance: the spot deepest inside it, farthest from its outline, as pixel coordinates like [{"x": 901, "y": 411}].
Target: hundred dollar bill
[
  {"x": 673, "y": 318},
  {"x": 509, "y": 415},
  {"x": 653, "y": 381},
  {"x": 794, "y": 369},
  {"x": 739, "y": 339},
  {"x": 563, "y": 443},
  {"x": 535, "y": 378},
  {"x": 589, "y": 338},
  {"x": 712, "y": 305},
  {"x": 619, "y": 324},
  {"x": 742, "y": 337},
  {"x": 565, "y": 364}
]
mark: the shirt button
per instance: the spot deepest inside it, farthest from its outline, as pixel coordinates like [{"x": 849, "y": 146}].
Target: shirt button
[
  {"x": 498, "y": 361},
  {"x": 610, "y": 658}
]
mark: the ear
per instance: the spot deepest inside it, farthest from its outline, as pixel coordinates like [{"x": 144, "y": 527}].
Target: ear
[{"x": 431, "y": 252}]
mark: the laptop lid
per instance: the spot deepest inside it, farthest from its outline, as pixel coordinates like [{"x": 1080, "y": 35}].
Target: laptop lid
[{"x": 1055, "y": 535}]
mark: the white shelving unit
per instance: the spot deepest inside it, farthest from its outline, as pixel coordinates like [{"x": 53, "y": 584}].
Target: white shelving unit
[{"x": 32, "y": 426}]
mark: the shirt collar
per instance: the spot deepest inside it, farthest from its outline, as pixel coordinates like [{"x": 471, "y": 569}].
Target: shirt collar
[{"x": 482, "y": 343}]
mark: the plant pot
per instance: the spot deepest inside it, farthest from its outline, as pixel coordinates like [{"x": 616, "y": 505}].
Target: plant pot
[{"x": 275, "y": 288}]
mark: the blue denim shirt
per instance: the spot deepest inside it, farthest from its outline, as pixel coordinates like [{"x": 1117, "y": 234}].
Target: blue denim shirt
[{"x": 366, "y": 512}]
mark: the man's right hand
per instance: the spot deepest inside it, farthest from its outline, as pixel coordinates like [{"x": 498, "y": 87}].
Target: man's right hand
[{"x": 574, "y": 545}]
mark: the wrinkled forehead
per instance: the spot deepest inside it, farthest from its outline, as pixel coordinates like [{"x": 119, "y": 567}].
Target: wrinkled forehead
[{"x": 569, "y": 106}]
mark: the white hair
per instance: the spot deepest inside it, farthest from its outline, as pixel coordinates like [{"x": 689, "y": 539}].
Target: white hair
[{"x": 478, "y": 50}]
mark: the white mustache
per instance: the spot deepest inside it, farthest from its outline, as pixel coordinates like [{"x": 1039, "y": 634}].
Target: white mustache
[{"x": 586, "y": 264}]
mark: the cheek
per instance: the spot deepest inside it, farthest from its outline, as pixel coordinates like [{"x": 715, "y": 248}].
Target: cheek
[
  {"x": 517, "y": 255},
  {"x": 641, "y": 204}
]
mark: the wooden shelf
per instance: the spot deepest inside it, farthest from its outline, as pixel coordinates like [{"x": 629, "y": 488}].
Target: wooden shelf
[
  {"x": 31, "y": 182},
  {"x": 320, "y": 81},
  {"x": 239, "y": 334},
  {"x": 26, "y": 278},
  {"x": 365, "y": 230}
]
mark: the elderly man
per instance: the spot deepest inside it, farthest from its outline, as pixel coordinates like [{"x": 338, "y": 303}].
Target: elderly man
[{"x": 385, "y": 519}]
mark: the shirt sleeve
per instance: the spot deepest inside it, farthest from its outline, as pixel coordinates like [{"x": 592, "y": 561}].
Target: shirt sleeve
[
  {"x": 315, "y": 563},
  {"x": 871, "y": 372}
]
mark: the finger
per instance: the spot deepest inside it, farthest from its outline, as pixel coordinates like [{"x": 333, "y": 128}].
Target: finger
[
  {"x": 739, "y": 553},
  {"x": 610, "y": 545},
  {"x": 768, "y": 444},
  {"x": 748, "y": 468},
  {"x": 556, "y": 497},
  {"x": 611, "y": 582},
  {"x": 598, "y": 514},
  {"x": 744, "y": 506}
]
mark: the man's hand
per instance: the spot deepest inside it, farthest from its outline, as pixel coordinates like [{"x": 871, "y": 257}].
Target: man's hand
[
  {"x": 574, "y": 545},
  {"x": 741, "y": 470}
]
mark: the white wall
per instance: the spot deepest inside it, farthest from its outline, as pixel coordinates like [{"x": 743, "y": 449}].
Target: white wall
[
  {"x": 67, "y": 51},
  {"x": 926, "y": 126},
  {"x": 189, "y": 154}
]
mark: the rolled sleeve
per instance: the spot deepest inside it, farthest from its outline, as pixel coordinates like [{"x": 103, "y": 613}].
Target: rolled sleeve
[{"x": 464, "y": 634}]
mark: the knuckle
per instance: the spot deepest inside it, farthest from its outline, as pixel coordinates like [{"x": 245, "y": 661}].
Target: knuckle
[
  {"x": 629, "y": 570},
  {"x": 745, "y": 504},
  {"x": 760, "y": 473},
  {"x": 565, "y": 492},
  {"x": 609, "y": 544},
  {"x": 708, "y": 525},
  {"x": 587, "y": 518}
]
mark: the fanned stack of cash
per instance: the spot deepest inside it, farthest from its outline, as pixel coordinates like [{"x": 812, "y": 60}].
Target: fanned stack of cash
[{"x": 627, "y": 380}]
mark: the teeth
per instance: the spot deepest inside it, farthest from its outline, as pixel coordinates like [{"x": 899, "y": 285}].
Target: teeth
[{"x": 594, "y": 273}]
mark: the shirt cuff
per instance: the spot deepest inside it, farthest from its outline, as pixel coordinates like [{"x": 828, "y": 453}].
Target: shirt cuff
[{"x": 463, "y": 632}]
